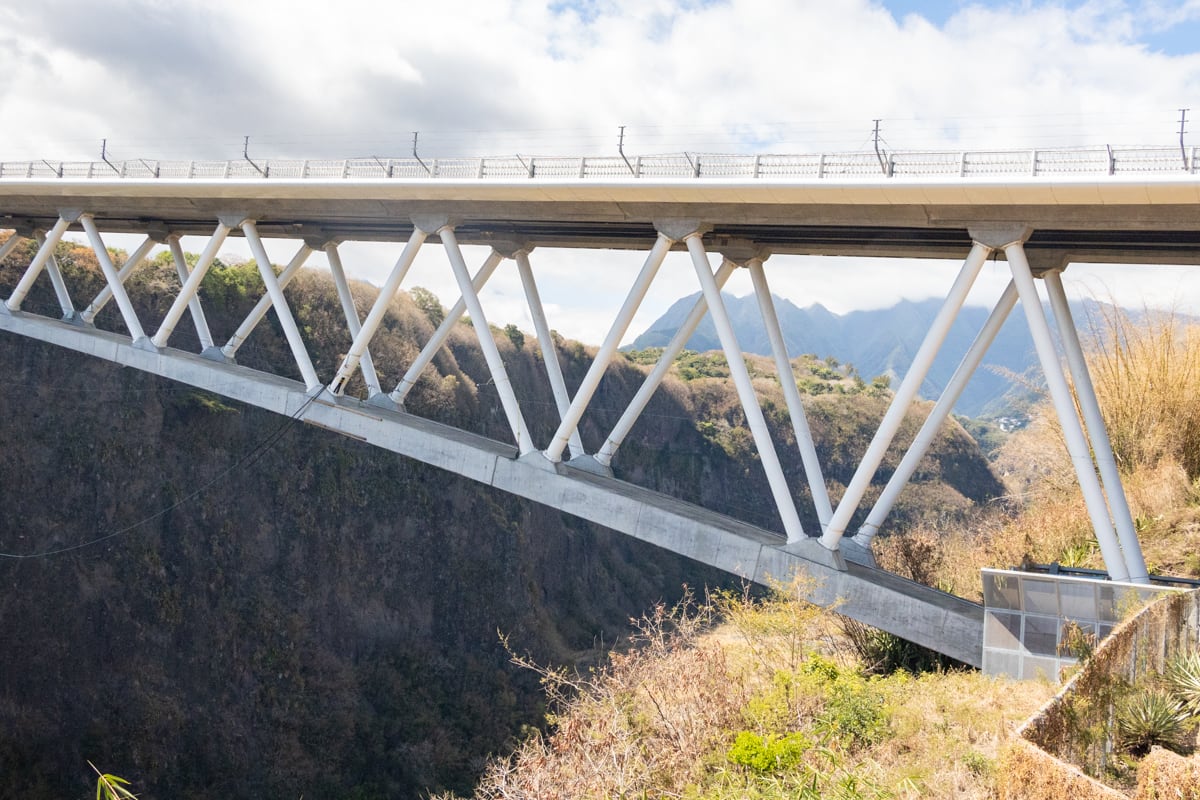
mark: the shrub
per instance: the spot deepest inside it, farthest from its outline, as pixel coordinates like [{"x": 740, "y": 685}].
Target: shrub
[
  {"x": 770, "y": 753},
  {"x": 883, "y": 653},
  {"x": 1151, "y": 718},
  {"x": 1183, "y": 678}
]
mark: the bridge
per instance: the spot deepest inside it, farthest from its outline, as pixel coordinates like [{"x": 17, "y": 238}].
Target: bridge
[{"x": 1041, "y": 210}]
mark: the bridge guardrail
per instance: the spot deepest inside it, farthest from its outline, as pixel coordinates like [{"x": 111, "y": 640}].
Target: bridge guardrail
[{"x": 967, "y": 163}]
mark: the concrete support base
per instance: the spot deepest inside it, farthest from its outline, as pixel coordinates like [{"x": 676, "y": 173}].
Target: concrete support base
[
  {"x": 538, "y": 461},
  {"x": 381, "y": 400},
  {"x": 587, "y": 463},
  {"x": 216, "y": 354},
  {"x": 858, "y": 553},
  {"x": 811, "y": 549}
]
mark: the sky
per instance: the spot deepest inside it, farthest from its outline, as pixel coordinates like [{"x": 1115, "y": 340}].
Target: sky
[{"x": 167, "y": 79}]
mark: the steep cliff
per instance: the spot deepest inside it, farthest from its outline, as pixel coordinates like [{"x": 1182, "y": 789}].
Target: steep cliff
[{"x": 285, "y": 612}]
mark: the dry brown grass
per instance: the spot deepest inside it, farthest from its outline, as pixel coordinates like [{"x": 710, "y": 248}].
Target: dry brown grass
[
  {"x": 948, "y": 731},
  {"x": 659, "y": 719},
  {"x": 651, "y": 712},
  {"x": 1028, "y": 773},
  {"x": 1147, "y": 378},
  {"x": 1163, "y": 774}
]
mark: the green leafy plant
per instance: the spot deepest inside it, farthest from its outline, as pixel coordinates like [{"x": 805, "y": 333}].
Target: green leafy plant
[
  {"x": 770, "y": 753},
  {"x": 883, "y": 653},
  {"x": 1183, "y": 678},
  {"x": 1151, "y": 717},
  {"x": 110, "y": 787}
]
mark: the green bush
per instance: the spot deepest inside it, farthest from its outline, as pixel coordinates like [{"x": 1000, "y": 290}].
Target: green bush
[
  {"x": 1151, "y": 718},
  {"x": 1183, "y": 678},
  {"x": 770, "y": 753},
  {"x": 883, "y": 653},
  {"x": 854, "y": 712}
]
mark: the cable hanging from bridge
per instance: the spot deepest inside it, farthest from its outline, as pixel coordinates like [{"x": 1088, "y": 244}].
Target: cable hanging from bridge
[{"x": 247, "y": 460}]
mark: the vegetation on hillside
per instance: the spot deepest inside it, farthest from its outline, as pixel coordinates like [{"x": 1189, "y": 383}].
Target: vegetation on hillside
[
  {"x": 773, "y": 702},
  {"x": 321, "y": 618},
  {"x": 1147, "y": 377},
  {"x": 778, "y": 701}
]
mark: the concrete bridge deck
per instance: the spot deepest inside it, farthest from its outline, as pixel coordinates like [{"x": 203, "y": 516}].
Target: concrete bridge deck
[{"x": 1080, "y": 208}]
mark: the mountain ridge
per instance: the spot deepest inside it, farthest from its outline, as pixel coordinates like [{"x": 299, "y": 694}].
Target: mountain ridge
[{"x": 883, "y": 342}]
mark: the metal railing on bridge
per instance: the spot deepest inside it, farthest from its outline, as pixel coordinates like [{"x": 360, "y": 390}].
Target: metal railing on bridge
[{"x": 945, "y": 164}]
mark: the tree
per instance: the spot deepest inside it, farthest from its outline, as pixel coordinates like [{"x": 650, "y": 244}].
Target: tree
[
  {"x": 514, "y": 335},
  {"x": 428, "y": 302}
]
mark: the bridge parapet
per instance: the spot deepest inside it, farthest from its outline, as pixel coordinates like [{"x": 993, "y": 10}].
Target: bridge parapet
[{"x": 1105, "y": 160}]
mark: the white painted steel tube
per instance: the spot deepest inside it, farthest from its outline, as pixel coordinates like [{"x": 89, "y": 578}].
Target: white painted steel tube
[
  {"x": 263, "y": 305},
  {"x": 562, "y": 399},
  {"x": 941, "y": 410},
  {"x": 378, "y": 310},
  {"x": 487, "y": 342},
  {"x": 439, "y": 337},
  {"x": 105, "y": 295},
  {"x": 650, "y": 385},
  {"x": 189, "y": 290},
  {"x": 132, "y": 323},
  {"x": 1064, "y": 405},
  {"x": 53, "y": 237},
  {"x": 791, "y": 395},
  {"x": 745, "y": 389},
  {"x": 10, "y": 244},
  {"x": 654, "y": 259},
  {"x": 283, "y": 311},
  {"x": 60, "y": 286},
  {"x": 194, "y": 306},
  {"x": 1085, "y": 393},
  {"x": 370, "y": 377},
  {"x": 904, "y": 395}
]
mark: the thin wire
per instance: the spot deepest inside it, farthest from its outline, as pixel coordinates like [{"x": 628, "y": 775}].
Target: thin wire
[{"x": 247, "y": 460}]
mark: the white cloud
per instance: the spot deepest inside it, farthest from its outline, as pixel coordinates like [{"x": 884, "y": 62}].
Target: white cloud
[{"x": 190, "y": 79}]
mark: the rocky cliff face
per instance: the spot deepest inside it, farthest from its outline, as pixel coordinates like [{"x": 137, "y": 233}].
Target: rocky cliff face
[{"x": 284, "y": 612}]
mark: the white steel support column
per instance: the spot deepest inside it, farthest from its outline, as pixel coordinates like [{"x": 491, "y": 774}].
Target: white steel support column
[
  {"x": 608, "y": 349},
  {"x": 106, "y": 294},
  {"x": 194, "y": 307},
  {"x": 192, "y": 286},
  {"x": 375, "y": 317},
  {"x": 745, "y": 389},
  {"x": 370, "y": 377},
  {"x": 650, "y": 385},
  {"x": 487, "y": 342},
  {"x": 10, "y": 244},
  {"x": 791, "y": 395},
  {"x": 1085, "y": 394},
  {"x": 45, "y": 249},
  {"x": 941, "y": 410},
  {"x": 60, "y": 286},
  {"x": 110, "y": 274},
  {"x": 264, "y": 304},
  {"x": 1064, "y": 405},
  {"x": 439, "y": 337},
  {"x": 549, "y": 354},
  {"x": 904, "y": 396},
  {"x": 283, "y": 311}
]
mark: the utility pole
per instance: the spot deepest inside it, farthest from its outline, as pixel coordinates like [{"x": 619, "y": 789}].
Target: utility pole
[{"x": 1182, "y": 130}]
